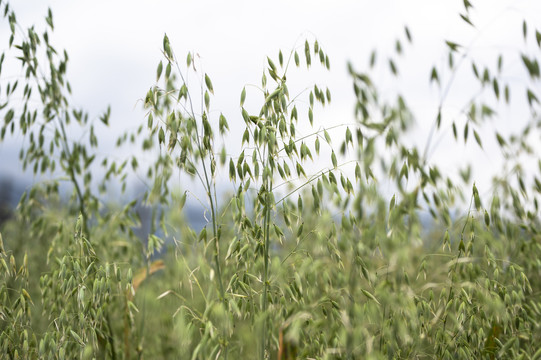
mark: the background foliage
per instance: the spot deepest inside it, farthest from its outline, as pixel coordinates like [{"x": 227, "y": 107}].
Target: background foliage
[{"x": 292, "y": 263}]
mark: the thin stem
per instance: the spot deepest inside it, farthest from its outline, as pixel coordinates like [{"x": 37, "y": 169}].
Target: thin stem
[
  {"x": 266, "y": 229},
  {"x": 446, "y": 93},
  {"x": 208, "y": 188},
  {"x": 314, "y": 177},
  {"x": 268, "y": 183},
  {"x": 460, "y": 253},
  {"x": 73, "y": 179},
  {"x": 110, "y": 336},
  {"x": 316, "y": 133}
]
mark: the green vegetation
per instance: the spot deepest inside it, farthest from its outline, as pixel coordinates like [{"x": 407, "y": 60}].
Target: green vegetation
[{"x": 292, "y": 264}]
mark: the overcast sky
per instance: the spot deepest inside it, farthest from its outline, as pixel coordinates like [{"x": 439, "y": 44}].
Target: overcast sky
[{"x": 115, "y": 46}]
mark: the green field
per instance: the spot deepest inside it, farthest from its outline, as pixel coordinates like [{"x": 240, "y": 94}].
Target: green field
[{"x": 379, "y": 253}]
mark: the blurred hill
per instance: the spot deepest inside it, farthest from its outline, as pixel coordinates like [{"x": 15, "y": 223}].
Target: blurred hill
[{"x": 10, "y": 193}]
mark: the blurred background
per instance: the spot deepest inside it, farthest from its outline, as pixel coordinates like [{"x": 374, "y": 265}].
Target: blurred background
[{"x": 114, "y": 48}]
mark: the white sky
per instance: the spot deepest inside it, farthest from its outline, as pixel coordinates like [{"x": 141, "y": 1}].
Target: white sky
[{"x": 115, "y": 46}]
